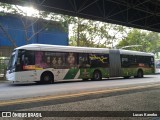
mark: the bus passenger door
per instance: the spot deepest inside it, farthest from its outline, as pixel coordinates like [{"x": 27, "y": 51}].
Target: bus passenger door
[{"x": 115, "y": 63}]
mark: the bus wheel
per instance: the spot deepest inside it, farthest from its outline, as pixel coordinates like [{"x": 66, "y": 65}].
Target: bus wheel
[
  {"x": 139, "y": 74},
  {"x": 47, "y": 77},
  {"x": 97, "y": 75}
]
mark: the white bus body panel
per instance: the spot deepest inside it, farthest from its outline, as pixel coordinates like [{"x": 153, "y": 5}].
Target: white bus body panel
[
  {"x": 21, "y": 76},
  {"x": 10, "y": 76},
  {"x": 35, "y": 75}
]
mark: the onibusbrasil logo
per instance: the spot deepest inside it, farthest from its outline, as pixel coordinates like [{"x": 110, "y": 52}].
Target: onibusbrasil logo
[{"x": 22, "y": 114}]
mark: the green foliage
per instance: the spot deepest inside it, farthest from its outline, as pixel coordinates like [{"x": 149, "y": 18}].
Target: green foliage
[
  {"x": 94, "y": 34},
  {"x": 2, "y": 14},
  {"x": 84, "y": 32},
  {"x": 149, "y": 41},
  {"x": 3, "y": 67},
  {"x": 134, "y": 37}
]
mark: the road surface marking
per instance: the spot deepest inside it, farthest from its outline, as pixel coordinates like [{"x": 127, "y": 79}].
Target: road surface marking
[{"x": 45, "y": 98}]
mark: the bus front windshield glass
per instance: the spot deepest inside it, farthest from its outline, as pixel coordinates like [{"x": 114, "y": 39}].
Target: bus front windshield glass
[{"x": 12, "y": 61}]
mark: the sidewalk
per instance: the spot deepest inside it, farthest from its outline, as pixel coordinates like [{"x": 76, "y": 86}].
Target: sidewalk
[{"x": 2, "y": 80}]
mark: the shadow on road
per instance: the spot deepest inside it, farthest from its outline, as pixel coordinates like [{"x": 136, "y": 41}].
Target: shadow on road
[{"x": 74, "y": 81}]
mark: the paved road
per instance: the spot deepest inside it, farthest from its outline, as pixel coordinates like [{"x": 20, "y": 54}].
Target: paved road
[
  {"x": 109, "y": 95},
  {"x": 10, "y": 91}
]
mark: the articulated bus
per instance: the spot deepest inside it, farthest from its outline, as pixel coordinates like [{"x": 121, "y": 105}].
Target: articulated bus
[{"x": 49, "y": 63}]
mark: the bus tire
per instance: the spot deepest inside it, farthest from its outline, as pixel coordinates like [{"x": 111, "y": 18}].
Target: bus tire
[
  {"x": 97, "y": 75},
  {"x": 47, "y": 77},
  {"x": 139, "y": 74}
]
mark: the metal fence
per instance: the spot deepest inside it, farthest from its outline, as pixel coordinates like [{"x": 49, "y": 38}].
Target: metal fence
[{"x": 3, "y": 65}]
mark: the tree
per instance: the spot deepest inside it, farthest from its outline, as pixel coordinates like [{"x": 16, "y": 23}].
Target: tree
[
  {"x": 84, "y": 32},
  {"x": 135, "y": 37},
  {"x": 154, "y": 40},
  {"x": 149, "y": 41},
  {"x": 95, "y": 34}
]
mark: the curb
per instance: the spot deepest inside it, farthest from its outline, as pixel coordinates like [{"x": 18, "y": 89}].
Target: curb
[{"x": 2, "y": 80}]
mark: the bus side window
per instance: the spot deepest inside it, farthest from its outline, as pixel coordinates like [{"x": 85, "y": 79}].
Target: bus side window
[
  {"x": 71, "y": 59},
  {"x": 29, "y": 58},
  {"x": 83, "y": 60},
  {"x": 151, "y": 62},
  {"x": 26, "y": 61},
  {"x": 124, "y": 61},
  {"x": 19, "y": 63}
]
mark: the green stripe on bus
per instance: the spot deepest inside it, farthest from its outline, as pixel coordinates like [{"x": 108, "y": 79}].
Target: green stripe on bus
[{"x": 71, "y": 74}]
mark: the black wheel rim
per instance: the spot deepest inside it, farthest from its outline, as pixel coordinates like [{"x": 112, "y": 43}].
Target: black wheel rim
[
  {"x": 46, "y": 78},
  {"x": 96, "y": 76}
]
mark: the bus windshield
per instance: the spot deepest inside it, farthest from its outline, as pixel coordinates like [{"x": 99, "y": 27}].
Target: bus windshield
[{"x": 12, "y": 61}]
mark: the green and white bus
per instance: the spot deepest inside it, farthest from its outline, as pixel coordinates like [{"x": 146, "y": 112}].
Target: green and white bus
[{"x": 50, "y": 63}]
